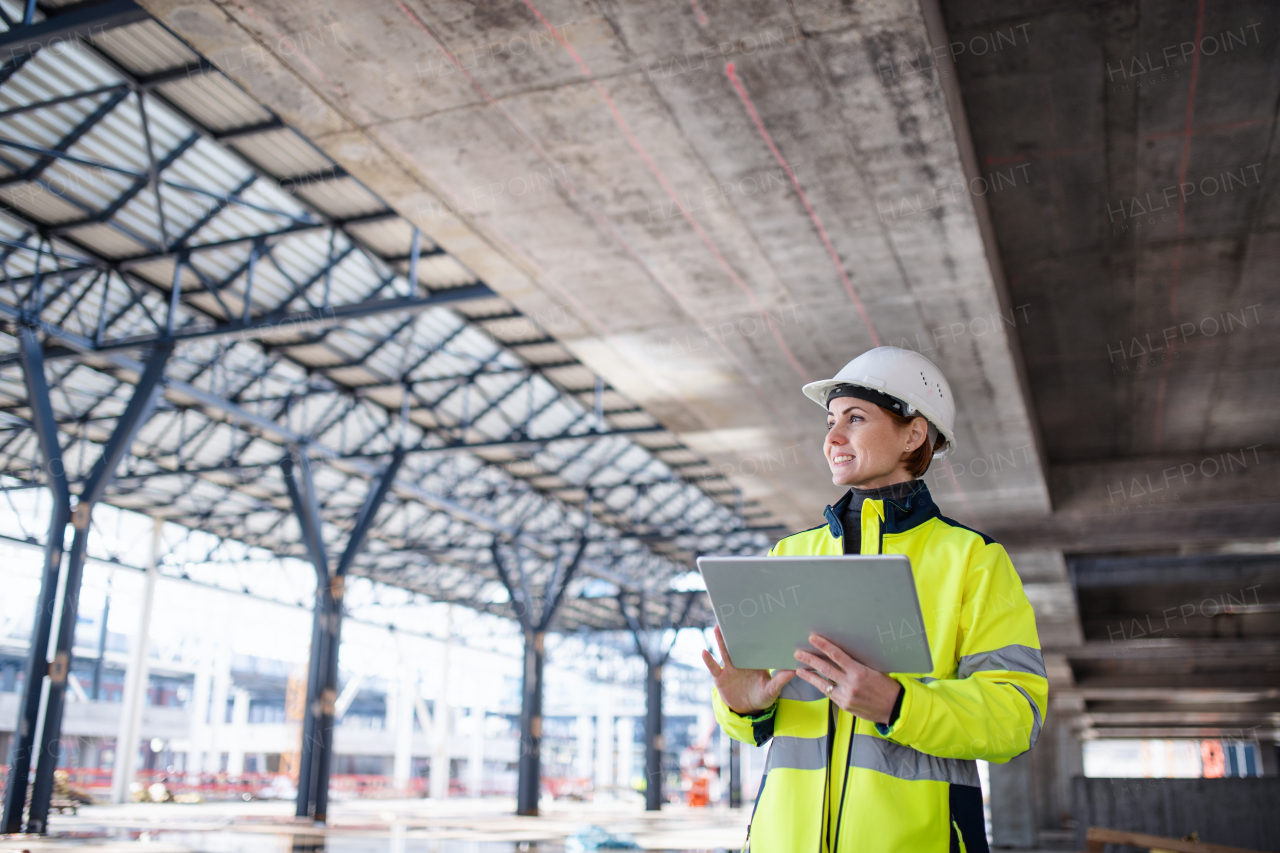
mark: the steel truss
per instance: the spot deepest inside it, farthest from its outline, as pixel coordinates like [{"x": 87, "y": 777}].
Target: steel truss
[{"x": 313, "y": 372}]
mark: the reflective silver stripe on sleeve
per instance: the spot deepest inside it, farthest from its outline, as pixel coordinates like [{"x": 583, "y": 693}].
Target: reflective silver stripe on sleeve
[
  {"x": 903, "y": 762},
  {"x": 799, "y": 689},
  {"x": 1035, "y": 716},
  {"x": 798, "y": 753},
  {"x": 926, "y": 679},
  {"x": 1013, "y": 658}
]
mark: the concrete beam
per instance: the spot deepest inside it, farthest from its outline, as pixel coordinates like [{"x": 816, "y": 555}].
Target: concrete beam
[
  {"x": 1167, "y": 732},
  {"x": 1175, "y": 649},
  {"x": 1162, "y": 529},
  {"x": 1156, "y": 502},
  {"x": 1160, "y": 695}
]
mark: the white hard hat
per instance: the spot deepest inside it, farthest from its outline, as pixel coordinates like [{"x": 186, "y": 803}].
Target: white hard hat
[{"x": 905, "y": 376}]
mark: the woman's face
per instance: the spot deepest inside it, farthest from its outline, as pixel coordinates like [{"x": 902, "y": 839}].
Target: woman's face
[{"x": 865, "y": 447}]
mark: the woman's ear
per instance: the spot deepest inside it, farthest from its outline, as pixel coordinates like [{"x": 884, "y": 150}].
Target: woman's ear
[{"x": 919, "y": 434}]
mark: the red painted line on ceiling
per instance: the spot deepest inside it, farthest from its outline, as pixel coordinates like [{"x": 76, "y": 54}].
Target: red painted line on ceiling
[
  {"x": 745, "y": 97},
  {"x": 671, "y": 192},
  {"x": 1176, "y": 272},
  {"x": 699, "y": 14}
]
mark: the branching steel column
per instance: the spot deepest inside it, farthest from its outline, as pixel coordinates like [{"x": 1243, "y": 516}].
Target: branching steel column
[
  {"x": 304, "y": 506},
  {"x": 135, "y": 414},
  {"x": 20, "y": 750},
  {"x": 326, "y": 629},
  {"x": 649, "y": 647},
  {"x": 534, "y": 626}
]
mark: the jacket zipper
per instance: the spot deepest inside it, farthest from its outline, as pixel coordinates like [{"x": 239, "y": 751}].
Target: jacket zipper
[{"x": 851, "y": 751}]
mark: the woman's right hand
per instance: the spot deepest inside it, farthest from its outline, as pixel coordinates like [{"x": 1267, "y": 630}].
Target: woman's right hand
[{"x": 745, "y": 691}]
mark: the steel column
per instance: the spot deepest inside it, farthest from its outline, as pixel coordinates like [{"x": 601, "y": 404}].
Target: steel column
[
  {"x": 20, "y": 750},
  {"x": 315, "y": 762},
  {"x": 135, "y": 414},
  {"x": 529, "y": 782},
  {"x": 653, "y": 742}
]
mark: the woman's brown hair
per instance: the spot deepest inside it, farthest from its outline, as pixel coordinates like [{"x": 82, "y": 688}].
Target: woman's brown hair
[{"x": 918, "y": 461}]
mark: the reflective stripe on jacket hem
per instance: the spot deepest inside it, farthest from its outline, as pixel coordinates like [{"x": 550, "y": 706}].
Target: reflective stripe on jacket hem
[
  {"x": 903, "y": 762},
  {"x": 797, "y": 753}
]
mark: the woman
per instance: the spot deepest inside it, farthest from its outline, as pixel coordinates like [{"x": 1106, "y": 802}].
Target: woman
[{"x": 868, "y": 761}]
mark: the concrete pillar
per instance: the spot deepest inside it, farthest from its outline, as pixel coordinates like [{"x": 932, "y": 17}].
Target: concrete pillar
[
  {"x": 402, "y": 726},
  {"x": 443, "y": 718},
  {"x": 1031, "y": 796},
  {"x": 475, "y": 758},
  {"x": 604, "y": 741},
  {"x": 220, "y": 693},
  {"x": 584, "y": 759},
  {"x": 239, "y": 731},
  {"x": 734, "y": 760},
  {"x": 201, "y": 738},
  {"x": 136, "y": 680},
  {"x": 626, "y": 751},
  {"x": 1268, "y": 763}
]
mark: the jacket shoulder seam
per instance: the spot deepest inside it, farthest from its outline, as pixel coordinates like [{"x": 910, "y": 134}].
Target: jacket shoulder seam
[
  {"x": 986, "y": 540},
  {"x": 794, "y": 535},
  {"x": 800, "y": 533}
]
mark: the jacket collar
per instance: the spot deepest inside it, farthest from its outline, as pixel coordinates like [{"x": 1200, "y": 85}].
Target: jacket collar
[{"x": 899, "y": 515}]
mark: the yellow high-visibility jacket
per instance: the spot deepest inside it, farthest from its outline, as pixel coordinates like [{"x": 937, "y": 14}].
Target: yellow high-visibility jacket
[{"x": 911, "y": 787}]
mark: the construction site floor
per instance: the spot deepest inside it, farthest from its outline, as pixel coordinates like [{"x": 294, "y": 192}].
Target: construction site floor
[{"x": 487, "y": 825}]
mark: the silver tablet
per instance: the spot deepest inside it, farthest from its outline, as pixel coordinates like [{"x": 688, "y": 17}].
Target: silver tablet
[{"x": 768, "y": 606}]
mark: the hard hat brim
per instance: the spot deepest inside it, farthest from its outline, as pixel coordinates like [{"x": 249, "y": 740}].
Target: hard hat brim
[{"x": 818, "y": 391}]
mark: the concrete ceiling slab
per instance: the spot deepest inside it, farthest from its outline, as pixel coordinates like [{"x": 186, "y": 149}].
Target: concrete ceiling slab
[{"x": 710, "y": 239}]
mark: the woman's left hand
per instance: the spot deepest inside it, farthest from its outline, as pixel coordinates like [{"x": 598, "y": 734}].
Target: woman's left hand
[{"x": 853, "y": 687}]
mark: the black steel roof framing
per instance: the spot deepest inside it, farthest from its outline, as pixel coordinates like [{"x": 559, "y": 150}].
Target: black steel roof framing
[
  {"x": 324, "y": 221},
  {"x": 72, "y": 303},
  {"x": 197, "y": 125},
  {"x": 212, "y": 213},
  {"x": 248, "y": 162},
  {"x": 63, "y": 232},
  {"x": 78, "y": 21},
  {"x": 71, "y": 138}
]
